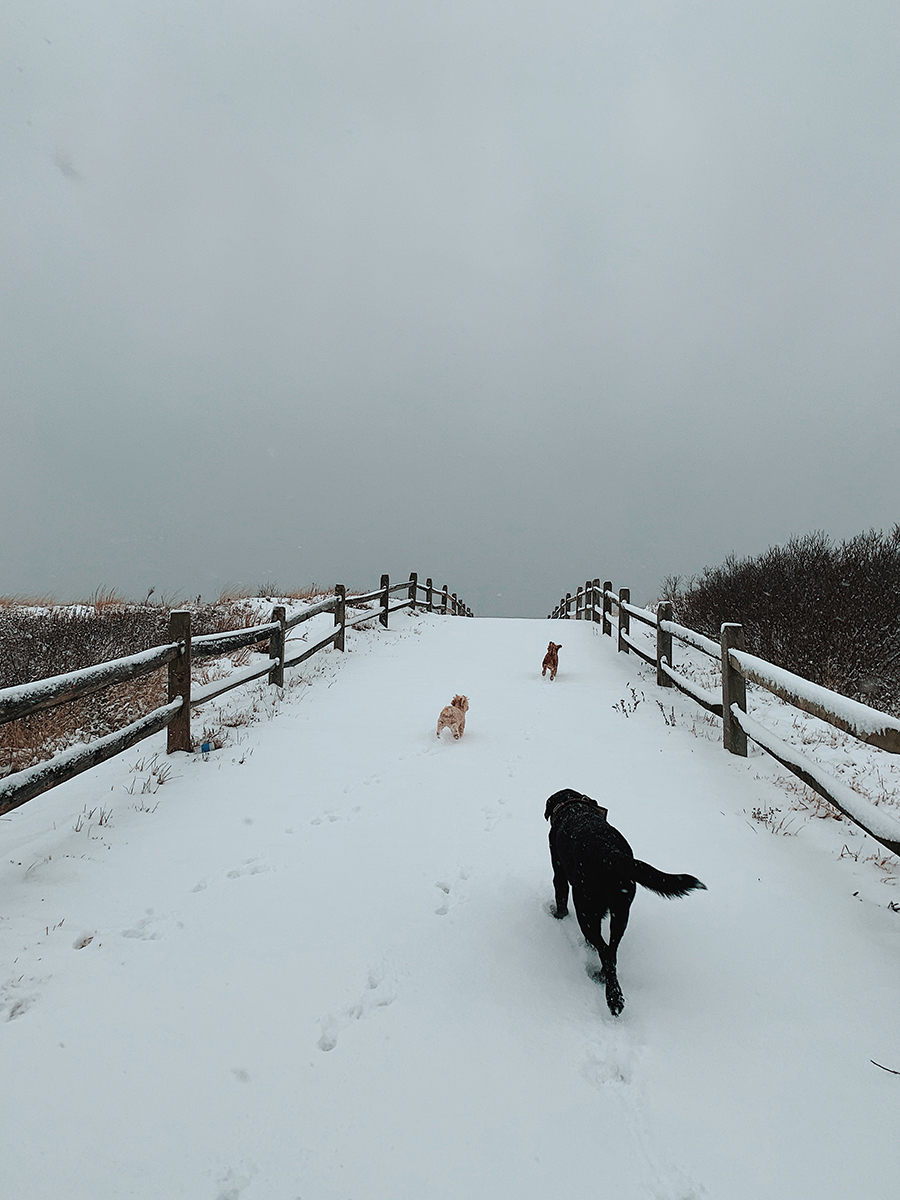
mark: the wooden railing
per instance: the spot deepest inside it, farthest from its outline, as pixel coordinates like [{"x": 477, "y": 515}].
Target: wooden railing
[
  {"x": 178, "y": 654},
  {"x": 596, "y": 602}
]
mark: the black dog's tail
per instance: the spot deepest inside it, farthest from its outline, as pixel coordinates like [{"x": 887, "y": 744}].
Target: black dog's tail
[{"x": 663, "y": 884}]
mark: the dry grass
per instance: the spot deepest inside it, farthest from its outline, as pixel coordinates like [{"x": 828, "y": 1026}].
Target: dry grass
[
  {"x": 46, "y": 601},
  {"x": 41, "y": 638}
]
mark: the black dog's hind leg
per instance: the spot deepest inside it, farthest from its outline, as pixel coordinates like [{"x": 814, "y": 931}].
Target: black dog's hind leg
[
  {"x": 560, "y": 887},
  {"x": 589, "y": 919},
  {"x": 618, "y": 923}
]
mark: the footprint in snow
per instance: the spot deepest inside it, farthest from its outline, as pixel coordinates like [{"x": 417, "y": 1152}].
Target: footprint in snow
[
  {"x": 16, "y": 997},
  {"x": 449, "y": 890},
  {"x": 379, "y": 993},
  {"x": 142, "y": 928},
  {"x": 610, "y": 1066},
  {"x": 250, "y": 866},
  {"x": 233, "y": 1183},
  {"x": 333, "y": 816},
  {"x": 606, "y": 1063}
]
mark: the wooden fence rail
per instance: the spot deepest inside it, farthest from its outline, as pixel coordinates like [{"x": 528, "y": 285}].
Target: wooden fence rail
[
  {"x": 178, "y": 654},
  {"x": 596, "y": 602}
]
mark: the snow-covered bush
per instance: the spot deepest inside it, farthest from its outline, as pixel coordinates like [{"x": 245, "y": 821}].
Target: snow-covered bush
[{"x": 827, "y": 611}]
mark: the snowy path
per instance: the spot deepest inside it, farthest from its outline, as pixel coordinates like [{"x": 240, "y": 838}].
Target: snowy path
[{"x": 328, "y": 972}]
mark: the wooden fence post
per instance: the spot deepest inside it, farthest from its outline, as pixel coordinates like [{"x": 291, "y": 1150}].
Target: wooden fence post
[
  {"x": 340, "y": 614},
  {"x": 567, "y": 604},
  {"x": 734, "y": 691},
  {"x": 385, "y": 600},
  {"x": 607, "y": 608},
  {"x": 455, "y": 609},
  {"x": 663, "y": 644},
  {"x": 413, "y": 588},
  {"x": 178, "y": 733},
  {"x": 624, "y": 617},
  {"x": 276, "y": 647},
  {"x": 445, "y": 600},
  {"x": 429, "y": 596}
]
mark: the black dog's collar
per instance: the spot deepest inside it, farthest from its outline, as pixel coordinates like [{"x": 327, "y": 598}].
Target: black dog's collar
[{"x": 576, "y": 800}]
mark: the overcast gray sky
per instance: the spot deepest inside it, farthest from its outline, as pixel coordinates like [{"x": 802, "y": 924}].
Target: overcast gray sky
[{"x": 511, "y": 294}]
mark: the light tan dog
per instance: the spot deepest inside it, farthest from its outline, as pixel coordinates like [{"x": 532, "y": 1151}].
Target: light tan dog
[
  {"x": 453, "y": 717},
  {"x": 551, "y": 660}
]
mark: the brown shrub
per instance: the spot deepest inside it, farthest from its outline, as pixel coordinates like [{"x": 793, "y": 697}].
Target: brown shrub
[
  {"x": 41, "y": 641},
  {"x": 829, "y": 612}
]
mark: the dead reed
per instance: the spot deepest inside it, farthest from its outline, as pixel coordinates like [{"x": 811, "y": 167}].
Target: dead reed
[{"x": 42, "y": 638}]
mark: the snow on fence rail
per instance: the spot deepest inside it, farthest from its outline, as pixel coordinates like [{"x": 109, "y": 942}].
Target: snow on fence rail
[
  {"x": 178, "y": 654},
  {"x": 596, "y": 601}
]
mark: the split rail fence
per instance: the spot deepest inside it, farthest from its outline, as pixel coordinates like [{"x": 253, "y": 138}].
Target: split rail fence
[
  {"x": 178, "y": 654},
  {"x": 598, "y": 602}
]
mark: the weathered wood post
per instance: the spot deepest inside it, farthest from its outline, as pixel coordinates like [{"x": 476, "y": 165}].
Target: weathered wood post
[
  {"x": 734, "y": 691},
  {"x": 455, "y": 609},
  {"x": 567, "y": 604},
  {"x": 607, "y": 608},
  {"x": 429, "y": 596},
  {"x": 624, "y": 617},
  {"x": 445, "y": 600},
  {"x": 578, "y": 604},
  {"x": 663, "y": 643},
  {"x": 385, "y": 600},
  {"x": 340, "y": 614},
  {"x": 178, "y": 733},
  {"x": 276, "y": 647},
  {"x": 413, "y": 588}
]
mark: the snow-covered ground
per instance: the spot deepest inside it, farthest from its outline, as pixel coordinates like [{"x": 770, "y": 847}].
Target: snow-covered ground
[{"x": 319, "y": 964}]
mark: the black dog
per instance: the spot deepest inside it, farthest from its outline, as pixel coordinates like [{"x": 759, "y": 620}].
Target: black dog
[{"x": 592, "y": 856}]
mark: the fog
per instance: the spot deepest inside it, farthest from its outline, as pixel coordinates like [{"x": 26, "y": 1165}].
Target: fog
[{"x": 512, "y": 295}]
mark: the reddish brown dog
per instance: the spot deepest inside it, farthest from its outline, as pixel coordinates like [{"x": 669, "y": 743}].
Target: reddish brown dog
[{"x": 551, "y": 660}]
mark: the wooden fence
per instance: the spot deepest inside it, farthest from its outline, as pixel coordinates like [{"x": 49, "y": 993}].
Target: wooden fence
[
  {"x": 597, "y": 602},
  {"x": 178, "y": 654}
]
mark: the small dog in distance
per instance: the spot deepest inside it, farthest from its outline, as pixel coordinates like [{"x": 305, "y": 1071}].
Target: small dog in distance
[
  {"x": 453, "y": 717},
  {"x": 551, "y": 660}
]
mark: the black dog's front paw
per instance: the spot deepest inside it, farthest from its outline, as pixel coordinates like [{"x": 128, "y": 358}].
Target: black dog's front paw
[{"x": 559, "y": 913}]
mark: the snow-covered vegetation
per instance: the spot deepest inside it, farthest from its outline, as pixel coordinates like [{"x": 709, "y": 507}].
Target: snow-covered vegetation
[
  {"x": 827, "y": 611},
  {"x": 41, "y": 638}
]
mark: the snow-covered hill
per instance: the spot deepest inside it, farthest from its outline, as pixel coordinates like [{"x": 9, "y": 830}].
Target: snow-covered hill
[{"x": 320, "y": 962}]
